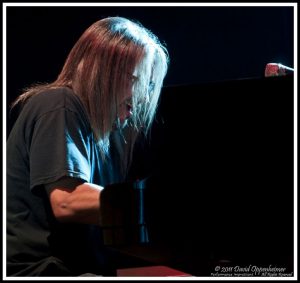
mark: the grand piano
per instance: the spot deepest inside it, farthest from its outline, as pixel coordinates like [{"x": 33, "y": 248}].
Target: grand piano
[{"x": 219, "y": 178}]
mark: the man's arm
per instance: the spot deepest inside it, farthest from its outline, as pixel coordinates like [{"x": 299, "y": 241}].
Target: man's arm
[{"x": 80, "y": 204}]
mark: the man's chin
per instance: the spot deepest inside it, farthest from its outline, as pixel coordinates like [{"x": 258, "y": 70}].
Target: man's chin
[{"x": 119, "y": 125}]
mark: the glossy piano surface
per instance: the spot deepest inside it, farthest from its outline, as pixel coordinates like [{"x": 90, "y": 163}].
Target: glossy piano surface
[{"x": 220, "y": 175}]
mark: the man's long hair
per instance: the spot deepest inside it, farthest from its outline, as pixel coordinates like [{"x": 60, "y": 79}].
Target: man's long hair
[{"x": 99, "y": 70}]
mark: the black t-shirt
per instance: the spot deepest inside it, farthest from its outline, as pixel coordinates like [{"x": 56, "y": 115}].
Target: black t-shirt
[{"x": 51, "y": 139}]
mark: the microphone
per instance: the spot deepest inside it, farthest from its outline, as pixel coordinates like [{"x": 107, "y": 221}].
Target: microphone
[{"x": 277, "y": 69}]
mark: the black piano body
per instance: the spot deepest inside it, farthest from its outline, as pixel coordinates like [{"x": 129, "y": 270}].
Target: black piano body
[{"x": 220, "y": 168}]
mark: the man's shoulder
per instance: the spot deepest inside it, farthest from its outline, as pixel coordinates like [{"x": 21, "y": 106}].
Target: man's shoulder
[
  {"x": 55, "y": 98},
  {"x": 57, "y": 94}
]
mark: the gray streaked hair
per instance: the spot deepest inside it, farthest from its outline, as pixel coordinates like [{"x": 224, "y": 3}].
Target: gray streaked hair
[{"x": 99, "y": 69}]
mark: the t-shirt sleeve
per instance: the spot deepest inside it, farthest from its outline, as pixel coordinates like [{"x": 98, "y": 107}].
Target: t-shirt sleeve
[
  {"x": 59, "y": 148},
  {"x": 64, "y": 182}
]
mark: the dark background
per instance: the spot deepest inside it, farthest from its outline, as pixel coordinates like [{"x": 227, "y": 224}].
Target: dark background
[
  {"x": 222, "y": 143},
  {"x": 205, "y": 43}
]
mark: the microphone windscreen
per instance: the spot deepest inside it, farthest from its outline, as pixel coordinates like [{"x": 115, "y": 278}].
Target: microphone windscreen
[{"x": 277, "y": 69}]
